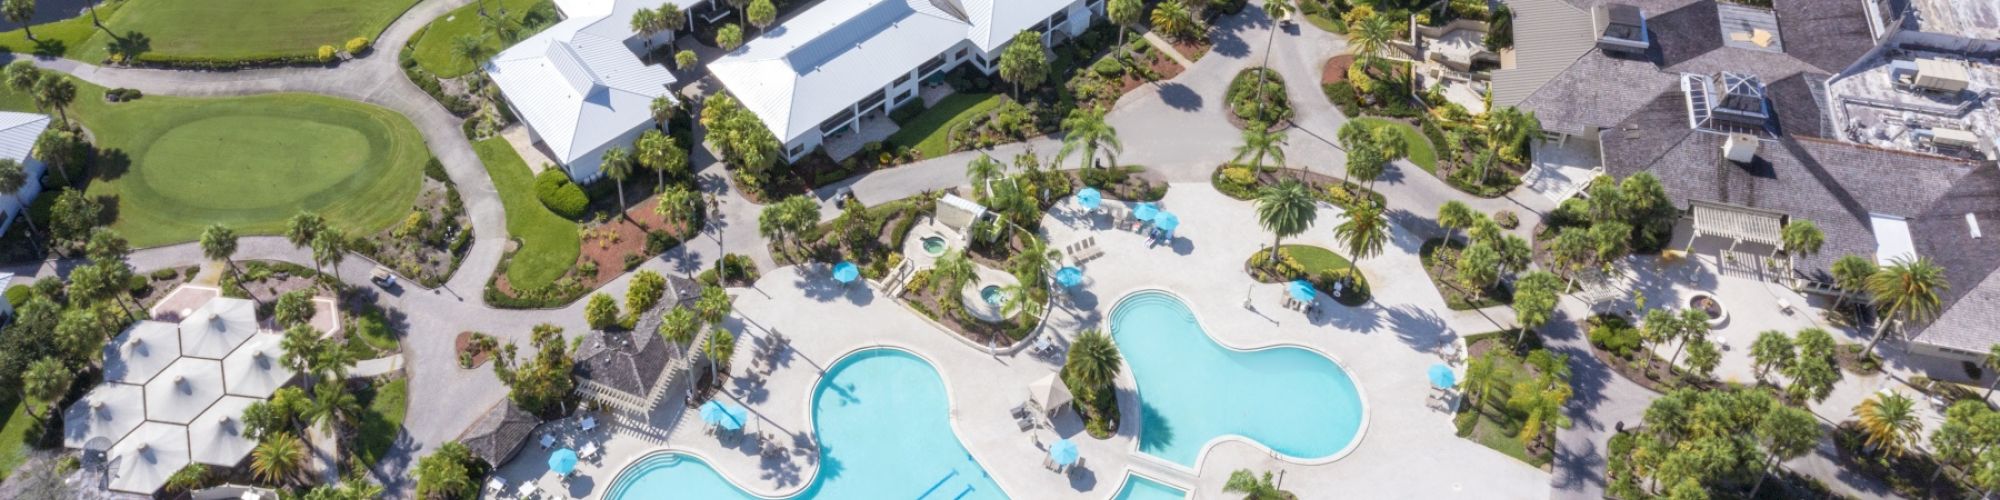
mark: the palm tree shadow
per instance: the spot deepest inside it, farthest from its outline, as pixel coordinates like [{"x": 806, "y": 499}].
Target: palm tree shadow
[{"x": 1179, "y": 96}]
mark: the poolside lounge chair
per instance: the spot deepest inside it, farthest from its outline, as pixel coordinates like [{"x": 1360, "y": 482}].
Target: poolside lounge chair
[
  {"x": 1026, "y": 423},
  {"x": 1020, "y": 411}
]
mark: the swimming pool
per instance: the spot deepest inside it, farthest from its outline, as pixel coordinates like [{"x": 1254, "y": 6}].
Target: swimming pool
[
  {"x": 1192, "y": 390},
  {"x": 1139, "y": 487},
  {"x": 880, "y": 415}
]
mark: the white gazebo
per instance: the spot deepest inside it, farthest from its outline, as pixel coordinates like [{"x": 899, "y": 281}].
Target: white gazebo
[
  {"x": 1050, "y": 394},
  {"x": 254, "y": 370},
  {"x": 147, "y": 347},
  {"x": 141, "y": 463},
  {"x": 217, "y": 435},
  {"x": 218, "y": 327},
  {"x": 184, "y": 390},
  {"x": 104, "y": 416}
]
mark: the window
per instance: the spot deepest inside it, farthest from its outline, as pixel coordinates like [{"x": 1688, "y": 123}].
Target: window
[
  {"x": 874, "y": 99},
  {"x": 827, "y": 127},
  {"x": 904, "y": 97},
  {"x": 900, "y": 81},
  {"x": 796, "y": 151},
  {"x": 1061, "y": 15},
  {"x": 931, "y": 65},
  {"x": 962, "y": 53}
]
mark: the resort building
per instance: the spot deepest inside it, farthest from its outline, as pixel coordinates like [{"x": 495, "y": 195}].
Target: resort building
[
  {"x": 628, "y": 370},
  {"x": 18, "y": 132},
  {"x": 580, "y": 86},
  {"x": 1737, "y": 111},
  {"x": 843, "y": 63}
]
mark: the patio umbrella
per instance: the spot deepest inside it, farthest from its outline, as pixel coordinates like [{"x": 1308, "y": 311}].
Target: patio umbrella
[
  {"x": 728, "y": 416},
  {"x": 1069, "y": 276},
  {"x": 1089, "y": 198},
  {"x": 1145, "y": 211},
  {"x": 1442, "y": 376},
  {"x": 1063, "y": 452},
  {"x": 563, "y": 461},
  {"x": 1167, "y": 221},
  {"x": 1301, "y": 290},
  {"x": 846, "y": 272}
]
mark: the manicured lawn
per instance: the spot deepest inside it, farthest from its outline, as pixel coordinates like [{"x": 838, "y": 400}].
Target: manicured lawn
[
  {"x": 59, "y": 38},
  {"x": 13, "y": 434},
  {"x": 930, "y": 132},
  {"x": 1421, "y": 151},
  {"x": 383, "y": 420},
  {"x": 433, "y": 48},
  {"x": 248, "y": 29},
  {"x": 178, "y": 164},
  {"x": 549, "y": 243}
]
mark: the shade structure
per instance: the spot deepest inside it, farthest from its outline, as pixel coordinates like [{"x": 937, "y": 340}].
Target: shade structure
[
  {"x": 217, "y": 435},
  {"x": 254, "y": 370},
  {"x": 136, "y": 355},
  {"x": 723, "y": 414},
  {"x": 1049, "y": 393},
  {"x": 104, "y": 416},
  {"x": 184, "y": 390},
  {"x": 563, "y": 461},
  {"x": 218, "y": 327},
  {"x": 846, "y": 272},
  {"x": 143, "y": 461},
  {"x": 1069, "y": 276},
  {"x": 1442, "y": 377},
  {"x": 1089, "y": 198},
  {"x": 1146, "y": 211},
  {"x": 1301, "y": 290},
  {"x": 1063, "y": 452},
  {"x": 1167, "y": 221}
]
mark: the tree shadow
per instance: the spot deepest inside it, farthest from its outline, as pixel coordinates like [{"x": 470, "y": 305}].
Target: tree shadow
[
  {"x": 1354, "y": 319},
  {"x": 111, "y": 164},
  {"x": 1419, "y": 328},
  {"x": 1179, "y": 96}
]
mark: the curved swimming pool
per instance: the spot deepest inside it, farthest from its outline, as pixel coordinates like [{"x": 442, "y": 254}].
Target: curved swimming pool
[
  {"x": 1193, "y": 390},
  {"x": 881, "y": 418}
]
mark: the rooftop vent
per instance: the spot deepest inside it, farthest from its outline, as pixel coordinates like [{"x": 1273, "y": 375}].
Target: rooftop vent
[
  {"x": 1740, "y": 148},
  {"x": 1620, "y": 28},
  {"x": 1938, "y": 75},
  {"x": 1729, "y": 103},
  {"x": 1972, "y": 222}
]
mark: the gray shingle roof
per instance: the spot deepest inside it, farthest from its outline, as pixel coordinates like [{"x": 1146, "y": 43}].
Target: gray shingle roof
[
  {"x": 632, "y": 361},
  {"x": 499, "y": 433},
  {"x": 1830, "y": 35}
]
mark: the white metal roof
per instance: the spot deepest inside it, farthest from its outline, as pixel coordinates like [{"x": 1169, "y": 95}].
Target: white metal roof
[
  {"x": 104, "y": 416},
  {"x": 578, "y": 89},
  {"x": 142, "y": 463},
  {"x": 254, "y": 370},
  {"x": 822, "y": 61},
  {"x": 1892, "y": 239},
  {"x": 614, "y": 18},
  {"x": 142, "y": 351},
  {"x": 218, "y": 327},
  {"x": 217, "y": 435},
  {"x": 184, "y": 390},
  {"x": 18, "y": 132}
]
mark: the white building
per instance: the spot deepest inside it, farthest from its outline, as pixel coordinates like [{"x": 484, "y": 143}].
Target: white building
[
  {"x": 844, "y": 59},
  {"x": 18, "y": 132},
  {"x": 580, "y": 86}
]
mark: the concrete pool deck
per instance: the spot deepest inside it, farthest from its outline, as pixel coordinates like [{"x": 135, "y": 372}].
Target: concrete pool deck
[{"x": 1408, "y": 450}]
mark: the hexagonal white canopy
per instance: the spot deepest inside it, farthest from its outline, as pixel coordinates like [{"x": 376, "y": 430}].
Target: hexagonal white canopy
[
  {"x": 101, "y": 418},
  {"x": 254, "y": 370},
  {"x": 218, "y": 327},
  {"x": 217, "y": 435},
  {"x": 142, "y": 462},
  {"x": 183, "y": 390},
  {"x": 147, "y": 347}
]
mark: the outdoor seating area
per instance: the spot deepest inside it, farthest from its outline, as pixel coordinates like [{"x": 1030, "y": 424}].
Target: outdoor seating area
[{"x": 562, "y": 446}]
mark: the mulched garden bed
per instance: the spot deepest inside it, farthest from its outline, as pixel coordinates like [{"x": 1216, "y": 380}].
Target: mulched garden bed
[
  {"x": 1655, "y": 373},
  {"x": 468, "y": 349},
  {"x": 612, "y": 246},
  {"x": 1336, "y": 69},
  {"x": 1272, "y": 175},
  {"x": 1439, "y": 259},
  {"x": 427, "y": 245}
]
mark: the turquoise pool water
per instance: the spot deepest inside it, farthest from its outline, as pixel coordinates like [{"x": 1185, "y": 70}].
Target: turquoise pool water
[
  {"x": 1138, "y": 487},
  {"x": 1193, "y": 390},
  {"x": 993, "y": 295},
  {"x": 880, "y": 416}
]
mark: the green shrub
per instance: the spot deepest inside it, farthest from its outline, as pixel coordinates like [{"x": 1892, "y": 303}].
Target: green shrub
[
  {"x": 435, "y": 170},
  {"x": 1344, "y": 96},
  {"x": 1244, "y": 91},
  {"x": 903, "y": 114},
  {"x": 561, "y": 196},
  {"x": 166, "y": 274},
  {"x": 122, "y": 95},
  {"x": 601, "y": 312},
  {"x": 327, "y": 52},
  {"x": 357, "y": 45},
  {"x": 1108, "y": 67},
  {"x": 19, "y": 294},
  {"x": 1613, "y": 334}
]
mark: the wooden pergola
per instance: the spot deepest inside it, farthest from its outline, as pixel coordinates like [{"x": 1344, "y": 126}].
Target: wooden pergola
[{"x": 1738, "y": 223}]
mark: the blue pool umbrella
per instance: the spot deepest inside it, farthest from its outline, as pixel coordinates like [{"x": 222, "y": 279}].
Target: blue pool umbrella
[
  {"x": 1442, "y": 376},
  {"x": 1069, "y": 276},
  {"x": 846, "y": 272},
  {"x": 563, "y": 461},
  {"x": 728, "y": 416},
  {"x": 1063, "y": 452},
  {"x": 1167, "y": 221},
  {"x": 1301, "y": 290},
  {"x": 1145, "y": 211},
  {"x": 1089, "y": 198}
]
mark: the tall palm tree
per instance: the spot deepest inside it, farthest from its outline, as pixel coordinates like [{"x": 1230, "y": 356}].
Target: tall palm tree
[
  {"x": 1363, "y": 233},
  {"x": 300, "y": 346},
  {"x": 218, "y": 242},
  {"x": 278, "y": 459},
  {"x": 677, "y": 203},
  {"x": 663, "y": 108},
  {"x": 659, "y": 153},
  {"x": 646, "y": 23},
  {"x": 1906, "y": 291},
  {"x": 1890, "y": 422},
  {"x": 54, "y": 90},
  {"x": 953, "y": 270},
  {"x": 469, "y": 48},
  {"x": 1454, "y": 216},
  {"x": 1370, "y": 37},
  {"x": 333, "y": 407},
  {"x": 1093, "y": 362},
  {"x": 679, "y": 325},
  {"x": 1481, "y": 373},
  {"x": 1801, "y": 238},
  {"x": 1126, "y": 14},
  {"x": 720, "y": 346},
  {"x": 1285, "y": 209},
  {"x": 617, "y": 165},
  {"x": 1850, "y": 274},
  {"x": 303, "y": 228},
  {"x": 330, "y": 248},
  {"x": 982, "y": 171},
  {"x": 1252, "y": 486},
  {"x": 1016, "y": 299},
  {"x": 20, "y": 12},
  {"x": 1173, "y": 20},
  {"x": 45, "y": 381},
  {"x": 1992, "y": 362},
  {"x": 670, "y": 17},
  {"x": 1085, "y": 130},
  {"x": 1259, "y": 142}
]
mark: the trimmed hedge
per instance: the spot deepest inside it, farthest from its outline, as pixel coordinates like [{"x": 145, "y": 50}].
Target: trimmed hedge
[{"x": 561, "y": 196}]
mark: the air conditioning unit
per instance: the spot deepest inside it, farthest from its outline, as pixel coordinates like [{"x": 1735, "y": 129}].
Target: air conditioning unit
[{"x": 1740, "y": 148}]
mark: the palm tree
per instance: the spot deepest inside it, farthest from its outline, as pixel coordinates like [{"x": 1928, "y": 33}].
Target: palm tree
[
  {"x": 1370, "y": 37},
  {"x": 303, "y": 228},
  {"x": 1259, "y": 142},
  {"x": 468, "y": 47},
  {"x": 982, "y": 171},
  {"x": 1801, "y": 238},
  {"x": 330, "y": 247},
  {"x": 617, "y": 165},
  {"x": 1173, "y": 20},
  {"x": 333, "y": 407},
  {"x": 670, "y": 17},
  {"x": 1125, "y": 14},
  {"x": 20, "y": 12},
  {"x": 646, "y": 23},
  {"x": 218, "y": 242},
  {"x": 1093, "y": 362},
  {"x": 762, "y": 14},
  {"x": 713, "y": 304},
  {"x": 677, "y": 204},
  {"x": 55, "y": 91},
  {"x": 1890, "y": 422},
  {"x": 1785, "y": 433},
  {"x": 278, "y": 458},
  {"x": 1364, "y": 232},
  {"x": 1906, "y": 291},
  {"x": 1016, "y": 299},
  {"x": 679, "y": 326},
  {"x": 1480, "y": 375},
  {"x": 300, "y": 346},
  {"x": 954, "y": 270},
  {"x": 720, "y": 346},
  {"x": 786, "y": 219},
  {"x": 1772, "y": 351},
  {"x": 1286, "y": 209},
  {"x": 1455, "y": 215},
  {"x": 659, "y": 153},
  {"x": 1850, "y": 274},
  {"x": 1253, "y": 487},
  {"x": 1085, "y": 130},
  {"x": 1992, "y": 362},
  {"x": 46, "y": 381}
]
